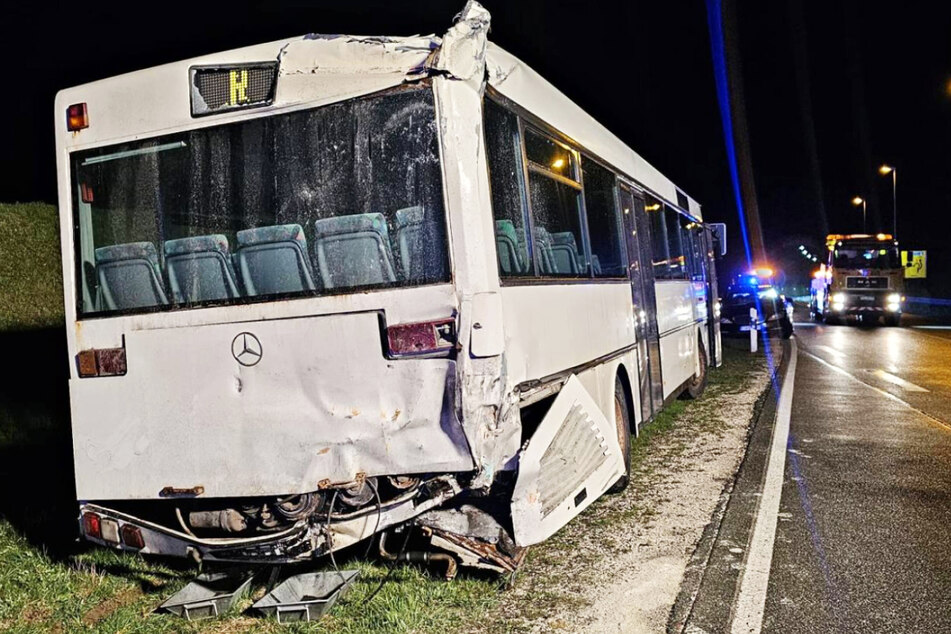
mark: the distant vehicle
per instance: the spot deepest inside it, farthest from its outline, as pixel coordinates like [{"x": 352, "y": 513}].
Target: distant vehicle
[
  {"x": 863, "y": 278},
  {"x": 329, "y": 286},
  {"x": 755, "y": 290}
]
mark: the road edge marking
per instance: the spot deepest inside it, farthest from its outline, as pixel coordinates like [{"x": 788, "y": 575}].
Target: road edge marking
[{"x": 751, "y": 600}]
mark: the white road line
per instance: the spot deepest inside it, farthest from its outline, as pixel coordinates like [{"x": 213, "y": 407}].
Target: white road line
[
  {"x": 897, "y": 380},
  {"x": 751, "y": 602},
  {"x": 836, "y": 353},
  {"x": 932, "y": 327},
  {"x": 937, "y": 421}
]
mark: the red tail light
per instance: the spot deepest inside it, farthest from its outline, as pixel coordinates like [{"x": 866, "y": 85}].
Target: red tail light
[
  {"x": 426, "y": 337},
  {"x": 132, "y": 537},
  {"x": 102, "y": 362},
  {"x": 77, "y": 117},
  {"x": 91, "y": 526}
]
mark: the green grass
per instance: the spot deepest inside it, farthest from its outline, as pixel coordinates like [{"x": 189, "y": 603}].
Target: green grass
[
  {"x": 49, "y": 582},
  {"x": 31, "y": 285}
]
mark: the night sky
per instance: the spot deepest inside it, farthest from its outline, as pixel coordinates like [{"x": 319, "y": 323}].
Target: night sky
[{"x": 833, "y": 88}]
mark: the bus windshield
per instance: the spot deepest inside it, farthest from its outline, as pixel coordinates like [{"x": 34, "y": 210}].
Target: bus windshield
[
  {"x": 346, "y": 196},
  {"x": 866, "y": 258}
]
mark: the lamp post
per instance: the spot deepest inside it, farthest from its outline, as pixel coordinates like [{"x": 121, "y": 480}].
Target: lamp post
[
  {"x": 858, "y": 200},
  {"x": 885, "y": 170}
]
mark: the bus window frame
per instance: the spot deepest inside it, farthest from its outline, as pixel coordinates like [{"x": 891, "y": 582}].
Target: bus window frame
[{"x": 527, "y": 118}]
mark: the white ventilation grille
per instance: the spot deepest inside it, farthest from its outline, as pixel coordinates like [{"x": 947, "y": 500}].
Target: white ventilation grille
[{"x": 576, "y": 451}]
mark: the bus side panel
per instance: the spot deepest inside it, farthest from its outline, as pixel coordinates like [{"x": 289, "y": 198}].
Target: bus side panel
[
  {"x": 553, "y": 327},
  {"x": 678, "y": 332}
]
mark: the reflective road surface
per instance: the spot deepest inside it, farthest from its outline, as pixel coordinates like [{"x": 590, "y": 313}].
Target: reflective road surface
[{"x": 863, "y": 542}]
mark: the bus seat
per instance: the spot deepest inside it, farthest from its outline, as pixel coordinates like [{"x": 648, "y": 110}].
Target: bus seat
[
  {"x": 595, "y": 264},
  {"x": 410, "y": 233},
  {"x": 129, "y": 276},
  {"x": 507, "y": 246},
  {"x": 199, "y": 269},
  {"x": 543, "y": 251},
  {"x": 564, "y": 251},
  {"x": 353, "y": 251},
  {"x": 273, "y": 260}
]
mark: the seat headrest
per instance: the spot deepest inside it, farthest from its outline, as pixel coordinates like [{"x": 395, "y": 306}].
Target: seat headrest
[
  {"x": 274, "y": 233},
  {"x": 197, "y": 244},
  {"x": 410, "y": 216},
  {"x": 129, "y": 251},
  {"x": 355, "y": 223}
]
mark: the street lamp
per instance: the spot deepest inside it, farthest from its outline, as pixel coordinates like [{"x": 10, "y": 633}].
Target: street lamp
[
  {"x": 858, "y": 200},
  {"x": 885, "y": 170}
]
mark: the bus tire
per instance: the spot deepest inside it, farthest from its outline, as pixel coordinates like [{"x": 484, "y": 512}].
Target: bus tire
[
  {"x": 622, "y": 421},
  {"x": 698, "y": 383}
]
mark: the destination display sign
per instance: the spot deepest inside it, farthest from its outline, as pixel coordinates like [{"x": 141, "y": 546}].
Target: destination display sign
[{"x": 216, "y": 89}]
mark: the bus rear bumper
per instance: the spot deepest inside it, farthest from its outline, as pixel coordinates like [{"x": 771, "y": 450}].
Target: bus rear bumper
[{"x": 307, "y": 539}]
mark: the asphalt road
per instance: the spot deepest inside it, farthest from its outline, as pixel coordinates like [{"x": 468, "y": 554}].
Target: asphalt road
[{"x": 863, "y": 542}]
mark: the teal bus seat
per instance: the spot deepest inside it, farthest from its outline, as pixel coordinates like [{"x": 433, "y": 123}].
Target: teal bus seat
[
  {"x": 564, "y": 251},
  {"x": 199, "y": 269},
  {"x": 353, "y": 251},
  {"x": 273, "y": 260},
  {"x": 129, "y": 276},
  {"x": 508, "y": 248}
]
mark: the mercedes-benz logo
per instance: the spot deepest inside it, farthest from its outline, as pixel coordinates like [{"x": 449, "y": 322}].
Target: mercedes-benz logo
[{"x": 246, "y": 349}]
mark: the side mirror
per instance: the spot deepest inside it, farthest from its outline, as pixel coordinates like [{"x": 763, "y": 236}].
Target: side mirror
[{"x": 718, "y": 233}]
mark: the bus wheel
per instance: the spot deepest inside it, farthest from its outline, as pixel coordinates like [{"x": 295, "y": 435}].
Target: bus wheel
[
  {"x": 698, "y": 383},
  {"x": 622, "y": 422}
]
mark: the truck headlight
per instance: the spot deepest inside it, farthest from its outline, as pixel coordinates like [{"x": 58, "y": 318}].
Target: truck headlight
[
  {"x": 893, "y": 298},
  {"x": 838, "y": 298}
]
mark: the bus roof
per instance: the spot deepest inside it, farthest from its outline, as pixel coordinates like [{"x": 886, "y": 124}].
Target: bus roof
[{"x": 316, "y": 69}]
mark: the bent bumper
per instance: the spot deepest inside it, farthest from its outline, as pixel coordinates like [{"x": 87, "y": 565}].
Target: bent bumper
[{"x": 307, "y": 539}]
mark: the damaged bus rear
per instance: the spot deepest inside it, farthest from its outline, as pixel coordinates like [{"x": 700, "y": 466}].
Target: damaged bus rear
[{"x": 286, "y": 326}]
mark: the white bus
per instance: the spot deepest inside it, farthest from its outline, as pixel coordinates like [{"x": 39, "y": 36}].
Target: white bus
[{"x": 330, "y": 286}]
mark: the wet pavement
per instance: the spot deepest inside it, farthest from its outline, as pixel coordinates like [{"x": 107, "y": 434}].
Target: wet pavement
[{"x": 863, "y": 541}]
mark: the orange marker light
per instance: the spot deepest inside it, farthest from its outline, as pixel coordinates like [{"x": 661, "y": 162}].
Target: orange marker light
[{"x": 77, "y": 117}]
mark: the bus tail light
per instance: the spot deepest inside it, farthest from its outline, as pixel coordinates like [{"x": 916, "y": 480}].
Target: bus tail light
[
  {"x": 132, "y": 536},
  {"x": 77, "y": 117},
  {"x": 101, "y": 362},
  {"x": 426, "y": 337},
  {"x": 91, "y": 525}
]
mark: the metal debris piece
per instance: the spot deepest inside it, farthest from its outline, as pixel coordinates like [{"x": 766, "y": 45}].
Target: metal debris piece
[
  {"x": 307, "y": 596},
  {"x": 209, "y": 595}
]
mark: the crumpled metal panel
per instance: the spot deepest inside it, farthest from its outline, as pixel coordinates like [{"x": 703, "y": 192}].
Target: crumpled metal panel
[
  {"x": 572, "y": 459},
  {"x": 323, "y": 403}
]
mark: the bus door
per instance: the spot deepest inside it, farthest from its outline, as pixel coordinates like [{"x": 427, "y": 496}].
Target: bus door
[
  {"x": 637, "y": 230},
  {"x": 713, "y": 318}
]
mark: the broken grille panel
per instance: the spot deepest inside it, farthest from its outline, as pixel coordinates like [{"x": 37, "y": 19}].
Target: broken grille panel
[{"x": 576, "y": 451}]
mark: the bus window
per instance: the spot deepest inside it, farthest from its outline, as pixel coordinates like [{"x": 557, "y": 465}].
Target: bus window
[
  {"x": 555, "y": 196},
  {"x": 343, "y": 196},
  {"x": 676, "y": 253},
  {"x": 608, "y": 257},
  {"x": 504, "y": 155},
  {"x": 659, "y": 246}
]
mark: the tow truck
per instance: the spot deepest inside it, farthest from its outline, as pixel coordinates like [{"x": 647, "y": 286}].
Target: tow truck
[{"x": 863, "y": 278}]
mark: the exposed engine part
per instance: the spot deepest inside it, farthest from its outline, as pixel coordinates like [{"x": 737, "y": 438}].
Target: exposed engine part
[
  {"x": 423, "y": 557},
  {"x": 403, "y": 482},
  {"x": 228, "y": 520},
  {"x": 295, "y": 507},
  {"x": 358, "y": 494}
]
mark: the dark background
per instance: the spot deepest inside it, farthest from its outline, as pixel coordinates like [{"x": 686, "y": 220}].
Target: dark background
[{"x": 833, "y": 88}]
